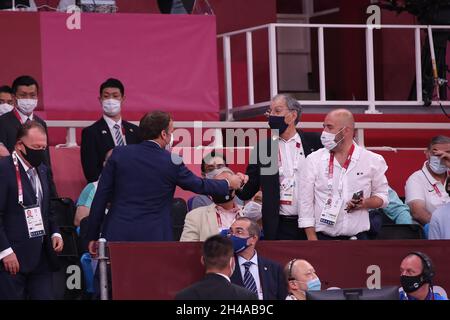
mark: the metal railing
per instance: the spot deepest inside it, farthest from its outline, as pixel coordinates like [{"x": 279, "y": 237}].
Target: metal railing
[
  {"x": 371, "y": 101},
  {"x": 360, "y": 128}
]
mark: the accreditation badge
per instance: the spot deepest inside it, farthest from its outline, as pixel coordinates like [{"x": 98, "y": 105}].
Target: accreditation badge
[
  {"x": 287, "y": 187},
  {"x": 35, "y": 224},
  {"x": 330, "y": 211}
]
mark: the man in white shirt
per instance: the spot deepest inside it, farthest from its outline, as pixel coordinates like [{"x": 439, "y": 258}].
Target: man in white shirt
[
  {"x": 340, "y": 183},
  {"x": 424, "y": 189}
]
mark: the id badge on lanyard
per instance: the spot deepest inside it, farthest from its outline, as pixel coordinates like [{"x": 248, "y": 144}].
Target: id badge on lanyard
[
  {"x": 287, "y": 183},
  {"x": 32, "y": 214}
]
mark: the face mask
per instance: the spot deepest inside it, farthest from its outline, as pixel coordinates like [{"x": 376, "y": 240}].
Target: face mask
[
  {"x": 314, "y": 285},
  {"x": 436, "y": 166},
  {"x": 34, "y": 157},
  {"x": 239, "y": 244},
  {"x": 170, "y": 144},
  {"x": 276, "y": 122},
  {"x": 328, "y": 139},
  {"x": 411, "y": 283},
  {"x": 223, "y": 199},
  {"x": 111, "y": 107},
  {"x": 252, "y": 210},
  {"x": 4, "y": 108},
  {"x": 26, "y": 106}
]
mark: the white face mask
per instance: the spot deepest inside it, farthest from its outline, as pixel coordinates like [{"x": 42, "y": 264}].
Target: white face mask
[
  {"x": 26, "y": 106},
  {"x": 170, "y": 144},
  {"x": 328, "y": 139},
  {"x": 4, "y": 108},
  {"x": 111, "y": 107},
  {"x": 252, "y": 210},
  {"x": 436, "y": 165}
]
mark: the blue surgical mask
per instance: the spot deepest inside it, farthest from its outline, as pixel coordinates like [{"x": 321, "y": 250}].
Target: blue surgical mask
[
  {"x": 314, "y": 285},
  {"x": 239, "y": 244},
  {"x": 278, "y": 123}
]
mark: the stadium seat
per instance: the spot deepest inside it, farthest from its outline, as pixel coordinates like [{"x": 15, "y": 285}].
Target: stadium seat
[
  {"x": 401, "y": 231},
  {"x": 179, "y": 210}
]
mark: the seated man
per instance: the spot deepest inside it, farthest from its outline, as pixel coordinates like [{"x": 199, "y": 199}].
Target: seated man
[
  {"x": 204, "y": 222},
  {"x": 301, "y": 277},
  {"x": 416, "y": 276},
  {"x": 218, "y": 259},
  {"x": 258, "y": 274},
  {"x": 253, "y": 208},
  {"x": 210, "y": 162}
]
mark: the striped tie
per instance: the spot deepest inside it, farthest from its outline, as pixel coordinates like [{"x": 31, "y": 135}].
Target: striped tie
[
  {"x": 32, "y": 177},
  {"x": 249, "y": 281},
  {"x": 118, "y": 135}
]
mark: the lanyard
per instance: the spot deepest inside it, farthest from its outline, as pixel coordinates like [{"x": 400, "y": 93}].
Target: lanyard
[
  {"x": 219, "y": 219},
  {"x": 436, "y": 189},
  {"x": 343, "y": 171},
  {"x": 16, "y": 113},
  {"x": 296, "y": 158},
  {"x": 19, "y": 181}
]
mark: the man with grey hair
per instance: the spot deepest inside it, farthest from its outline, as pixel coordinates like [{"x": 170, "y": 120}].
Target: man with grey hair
[
  {"x": 424, "y": 189},
  {"x": 287, "y": 151}
]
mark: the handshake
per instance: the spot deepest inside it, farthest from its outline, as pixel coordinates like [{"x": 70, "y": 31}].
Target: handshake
[{"x": 237, "y": 181}]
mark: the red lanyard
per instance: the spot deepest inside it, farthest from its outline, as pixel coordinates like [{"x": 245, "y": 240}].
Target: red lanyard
[
  {"x": 19, "y": 180},
  {"x": 16, "y": 113},
  {"x": 436, "y": 189},
  {"x": 344, "y": 169}
]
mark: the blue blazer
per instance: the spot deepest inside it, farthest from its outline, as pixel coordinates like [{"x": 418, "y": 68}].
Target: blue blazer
[
  {"x": 272, "y": 279},
  {"x": 139, "y": 182},
  {"x": 13, "y": 227}
]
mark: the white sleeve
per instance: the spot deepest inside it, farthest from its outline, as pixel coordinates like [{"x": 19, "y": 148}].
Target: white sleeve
[
  {"x": 380, "y": 186},
  {"x": 433, "y": 227},
  {"x": 413, "y": 189},
  {"x": 5, "y": 253},
  {"x": 305, "y": 192}
]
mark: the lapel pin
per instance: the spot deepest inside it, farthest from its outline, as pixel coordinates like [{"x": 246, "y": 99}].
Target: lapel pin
[
  {"x": 104, "y": 132},
  {"x": 131, "y": 130},
  {"x": 265, "y": 268}
]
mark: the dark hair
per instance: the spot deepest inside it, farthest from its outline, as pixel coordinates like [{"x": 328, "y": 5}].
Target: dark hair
[
  {"x": 27, "y": 126},
  {"x": 217, "y": 251},
  {"x": 112, "y": 83},
  {"x": 253, "y": 229},
  {"x": 153, "y": 123},
  {"x": 211, "y": 155},
  {"x": 6, "y": 89},
  {"x": 24, "y": 81}
]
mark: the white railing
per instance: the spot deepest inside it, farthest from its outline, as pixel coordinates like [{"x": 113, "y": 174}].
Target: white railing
[
  {"x": 360, "y": 127},
  {"x": 371, "y": 101}
]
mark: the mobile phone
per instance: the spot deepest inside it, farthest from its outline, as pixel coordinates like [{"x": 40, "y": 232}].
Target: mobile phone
[{"x": 358, "y": 195}]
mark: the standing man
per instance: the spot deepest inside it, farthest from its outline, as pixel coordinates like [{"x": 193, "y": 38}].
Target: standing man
[
  {"x": 139, "y": 181},
  {"x": 287, "y": 151},
  {"x": 25, "y": 91},
  {"x": 28, "y": 238},
  {"x": 340, "y": 183},
  {"x": 108, "y": 132}
]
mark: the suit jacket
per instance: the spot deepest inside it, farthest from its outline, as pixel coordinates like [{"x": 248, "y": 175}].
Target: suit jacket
[
  {"x": 96, "y": 141},
  {"x": 165, "y": 6},
  {"x": 270, "y": 183},
  {"x": 9, "y": 126},
  {"x": 13, "y": 227},
  {"x": 215, "y": 287},
  {"x": 271, "y": 277},
  {"x": 139, "y": 181}
]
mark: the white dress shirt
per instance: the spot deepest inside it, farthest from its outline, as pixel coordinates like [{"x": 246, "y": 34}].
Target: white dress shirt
[
  {"x": 253, "y": 270},
  {"x": 111, "y": 123},
  {"x": 365, "y": 172},
  {"x": 422, "y": 186},
  {"x": 291, "y": 153},
  {"x": 24, "y": 117},
  {"x": 9, "y": 250}
]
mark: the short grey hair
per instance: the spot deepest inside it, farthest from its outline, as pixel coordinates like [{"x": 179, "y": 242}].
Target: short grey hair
[
  {"x": 438, "y": 140},
  {"x": 291, "y": 103}
]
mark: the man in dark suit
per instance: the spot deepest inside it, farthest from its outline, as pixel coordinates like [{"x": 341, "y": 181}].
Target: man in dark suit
[
  {"x": 139, "y": 181},
  {"x": 258, "y": 274},
  {"x": 218, "y": 259},
  {"x": 275, "y": 167},
  {"x": 28, "y": 237},
  {"x": 108, "y": 132},
  {"x": 25, "y": 97}
]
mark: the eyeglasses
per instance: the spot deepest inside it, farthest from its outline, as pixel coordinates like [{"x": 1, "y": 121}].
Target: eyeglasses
[
  {"x": 291, "y": 264},
  {"x": 210, "y": 168}
]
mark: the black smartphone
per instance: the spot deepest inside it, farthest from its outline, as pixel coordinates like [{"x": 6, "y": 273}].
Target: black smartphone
[{"x": 358, "y": 195}]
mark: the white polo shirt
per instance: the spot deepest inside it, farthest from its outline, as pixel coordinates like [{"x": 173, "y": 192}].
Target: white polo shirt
[
  {"x": 422, "y": 186},
  {"x": 365, "y": 172}
]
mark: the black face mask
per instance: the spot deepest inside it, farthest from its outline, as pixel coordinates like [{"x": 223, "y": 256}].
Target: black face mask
[
  {"x": 276, "y": 122},
  {"x": 223, "y": 199},
  {"x": 34, "y": 157},
  {"x": 411, "y": 283}
]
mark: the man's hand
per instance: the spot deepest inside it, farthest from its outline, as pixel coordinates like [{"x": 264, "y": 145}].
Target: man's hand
[
  {"x": 93, "y": 246},
  {"x": 445, "y": 157},
  {"x": 11, "y": 264},
  {"x": 355, "y": 204},
  {"x": 57, "y": 244},
  {"x": 3, "y": 151},
  {"x": 235, "y": 181}
]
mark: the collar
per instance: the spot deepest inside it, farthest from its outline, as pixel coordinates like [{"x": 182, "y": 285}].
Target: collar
[
  {"x": 428, "y": 175},
  {"x": 110, "y": 122},
  {"x": 24, "y": 166},
  {"x": 428, "y": 297},
  {"x": 356, "y": 153},
  {"x": 254, "y": 259},
  {"x": 24, "y": 117},
  {"x": 234, "y": 211},
  {"x": 295, "y": 137},
  {"x": 155, "y": 143},
  {"x": 225, "y": 276}
]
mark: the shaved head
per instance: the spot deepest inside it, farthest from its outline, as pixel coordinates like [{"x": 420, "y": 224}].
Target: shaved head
[{"x": 342, "y": 117}]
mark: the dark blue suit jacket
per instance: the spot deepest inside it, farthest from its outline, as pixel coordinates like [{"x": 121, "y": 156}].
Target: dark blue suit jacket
[
  {"x": 271, "y": 276},
  {"x": 13, "y": 227},
  {"x": 139, "y": 181}
]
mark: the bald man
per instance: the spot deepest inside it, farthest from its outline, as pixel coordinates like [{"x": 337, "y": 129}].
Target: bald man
[
  {"x": 301, "y": 277},
  {"x": 340, "y": 183}
]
